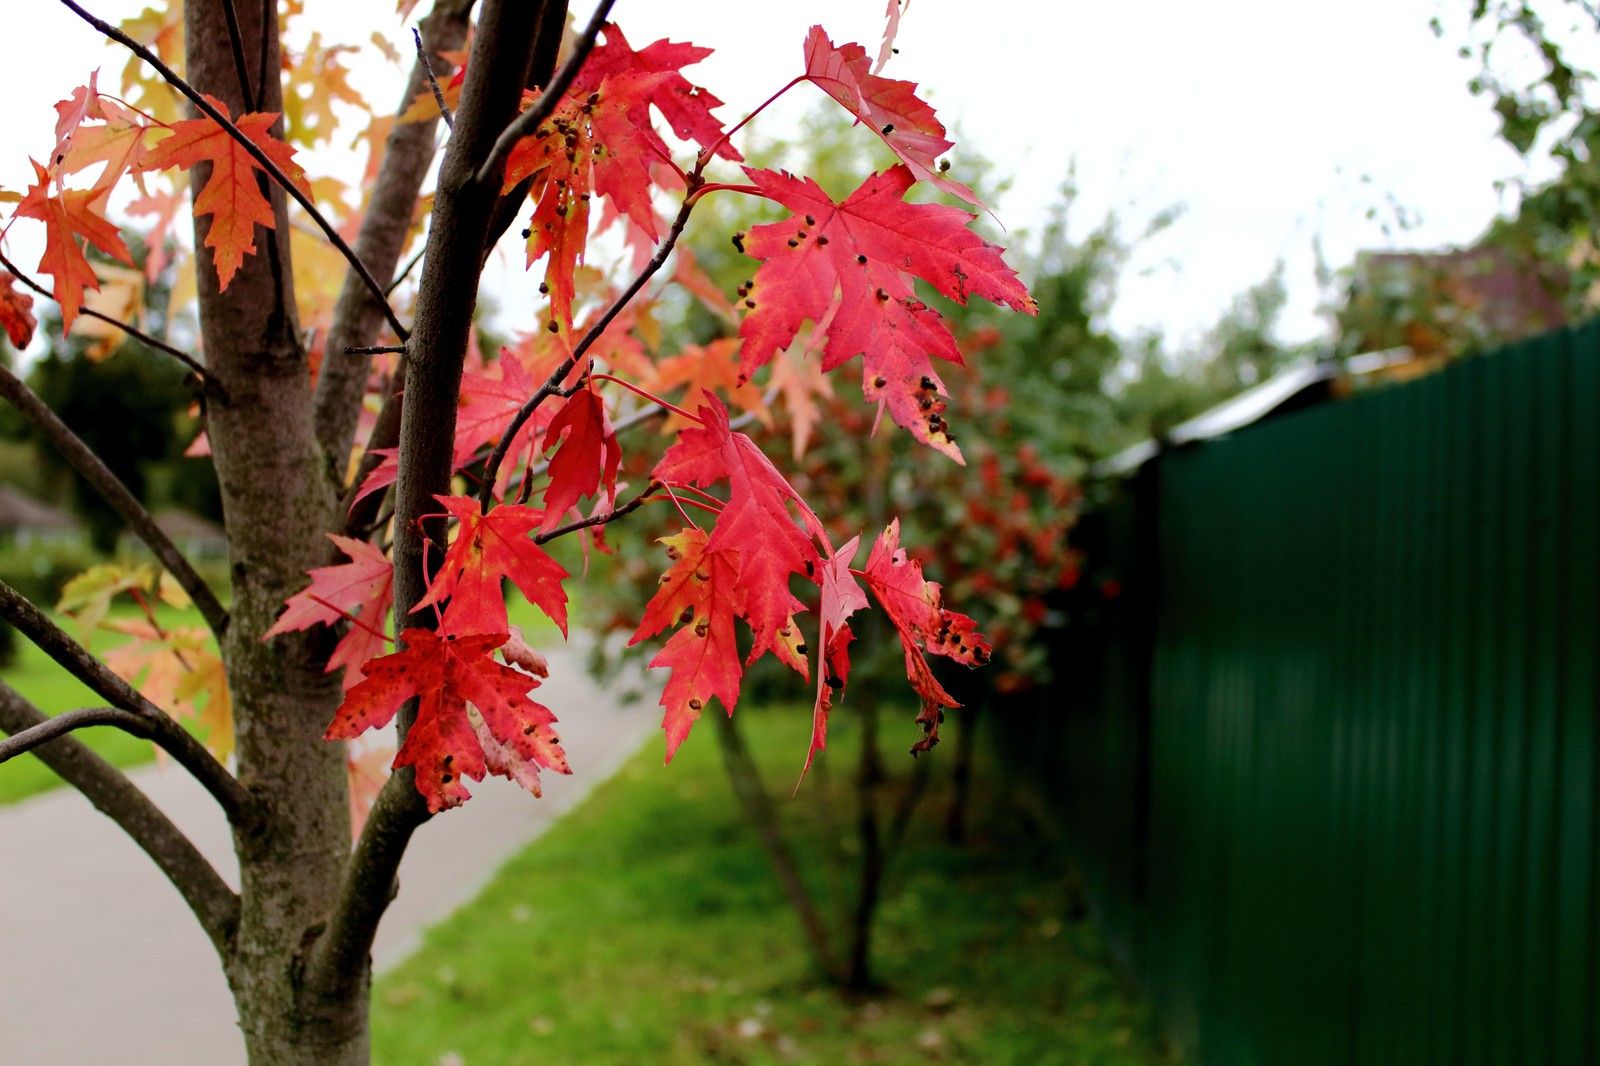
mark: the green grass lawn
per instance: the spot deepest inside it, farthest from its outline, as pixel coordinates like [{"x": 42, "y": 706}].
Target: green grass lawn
[{"x": 646, "y": 928}]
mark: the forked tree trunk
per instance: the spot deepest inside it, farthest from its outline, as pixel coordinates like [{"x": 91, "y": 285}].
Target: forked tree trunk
[
  {"x": 277, "y": 502},
  {"x": 301, "y": 1001}
]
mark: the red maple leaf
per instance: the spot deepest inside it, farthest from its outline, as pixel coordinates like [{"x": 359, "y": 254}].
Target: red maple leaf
[
  {"x": 488, "y": 548},
  {"x": 473, "y": 715},
  {"x": 232, "y": 196},
  {"x": 362, "y": 588},
  {"x": 914, "y": 606},
  {"x": 890, "y": 108},
  {"x": 841, "y": 597},
  {"x": 16, "y": 312},
  {"x": 755, "y": 520},
  {"x": 590, "y": 144},
  {"x": 851, "y": 265},
  {"x": 587, "y": 459},
  {"x": 386, "y": 473},
  {"x": 686, "y": 107},
  {"x": 488, "y": 399},
  {"x": 702, "y": 655},
  {"x": 66, "y": 217}
]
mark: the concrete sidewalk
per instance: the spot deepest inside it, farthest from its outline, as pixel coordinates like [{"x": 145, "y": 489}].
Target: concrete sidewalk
[{"x": 101, "y": 962}]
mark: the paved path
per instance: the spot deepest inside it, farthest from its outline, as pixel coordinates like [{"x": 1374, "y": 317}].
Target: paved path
[{"x": 100, "y": 961}]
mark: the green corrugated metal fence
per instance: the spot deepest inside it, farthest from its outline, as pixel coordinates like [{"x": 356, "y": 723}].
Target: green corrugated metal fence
[{"x": 1331, "y": 761}]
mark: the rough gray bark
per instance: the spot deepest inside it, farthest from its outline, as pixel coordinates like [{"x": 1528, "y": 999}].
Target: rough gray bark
[{"x": 277, "y": 501}]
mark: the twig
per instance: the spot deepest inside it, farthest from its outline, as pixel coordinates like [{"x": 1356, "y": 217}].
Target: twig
[
  {"x": 600, "y": 519},
  {"x": 62, "y": 724},
  {"x": 236, "y": 41},
  {"x": 553, "y": 382},
  {"x": 261, "y": 157},
  {"x": 374, "y": 349},
  {"x": 433, "y": 82},
  {"x": 529, "y": 120},
  {"x": 183, "y": 357},
  {"x": 176, "y": 741},
  {"x": 72, "y": 448},
  {"x": 202, "y": 888},
  {"x": 406, "y": 270}
]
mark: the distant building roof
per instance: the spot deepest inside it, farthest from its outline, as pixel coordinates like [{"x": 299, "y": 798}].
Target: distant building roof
[
  {"x": 18, "y": 510},
  {"x": 186, "y": 525},
  {"x": 1277, "y": 393}
]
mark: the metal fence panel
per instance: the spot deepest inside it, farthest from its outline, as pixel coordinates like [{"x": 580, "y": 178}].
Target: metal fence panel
[{"x": 1360, "y": 751}]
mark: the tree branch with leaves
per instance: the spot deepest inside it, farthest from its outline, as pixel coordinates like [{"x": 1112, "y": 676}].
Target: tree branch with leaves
[{"x": 362, "y": 438}]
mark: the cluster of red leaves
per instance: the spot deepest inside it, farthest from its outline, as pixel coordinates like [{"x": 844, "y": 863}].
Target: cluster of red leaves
[
  {"x": 847, "y": 269},
  {"x": 742, "y": 570}
]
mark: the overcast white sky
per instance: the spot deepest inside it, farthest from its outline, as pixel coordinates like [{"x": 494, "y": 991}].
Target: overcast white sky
[{"x": 1273, "y": 124}]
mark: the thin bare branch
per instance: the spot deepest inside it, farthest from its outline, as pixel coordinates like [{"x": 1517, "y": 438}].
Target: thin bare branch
[
  {"x": 62, "y": 724},
  {"x": 433, "y": 82},
  {"x": 72, "y": 448},
  {"x": 236, "y": 42},
  {"x": 138, "y": 334},
  {"x": 207, "y": 894},
  {"x": 164, "y": 730},
  {"x": 405, "y": 271},
  {"x": 529, "y": 120},
  {"x": 600, "y": 519},
  {"x": 373, "y": 349},
  {"x": 552, "y": 384},
  {"x": 262, "y": 159}
]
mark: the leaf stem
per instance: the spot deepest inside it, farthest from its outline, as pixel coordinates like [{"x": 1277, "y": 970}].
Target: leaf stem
[
  {"x": 652, "y": 397},
  {"x": 433, "y": 82},
  {"x": 348, "y": 617},
  {"x": 706, "y": 153},
  {"x": 255, "y": 152}
]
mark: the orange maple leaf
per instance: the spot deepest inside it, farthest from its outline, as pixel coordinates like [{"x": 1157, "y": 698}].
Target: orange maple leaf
[
  {"x": 74, "y": 213},
  {"x": 232, "y": 196},
  {"x": 16, "y": 312}
]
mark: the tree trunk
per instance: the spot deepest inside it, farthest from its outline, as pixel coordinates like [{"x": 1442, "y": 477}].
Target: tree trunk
[
  {"x": 277, "y": 501},
  {"x": 745, "y": 777}
]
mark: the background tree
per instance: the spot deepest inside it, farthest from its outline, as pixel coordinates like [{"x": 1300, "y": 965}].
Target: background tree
[{"x": 300, "y": 341}]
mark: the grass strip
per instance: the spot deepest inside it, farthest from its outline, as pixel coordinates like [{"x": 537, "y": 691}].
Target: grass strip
[{"x": 646, "y": 927}]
